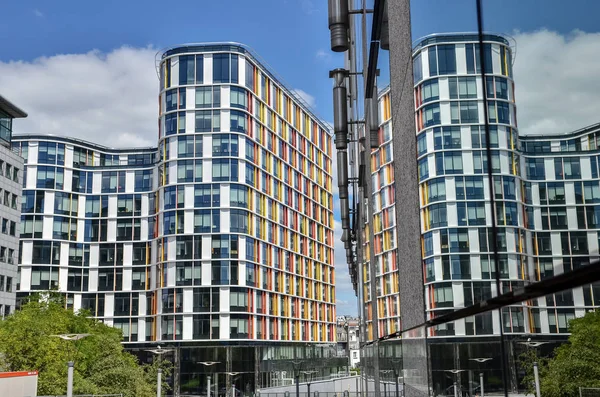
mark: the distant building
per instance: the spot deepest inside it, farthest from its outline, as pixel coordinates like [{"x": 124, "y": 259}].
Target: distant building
[
  {"x": 348, "y": 343},
  {"x": 11, "y": 178}
]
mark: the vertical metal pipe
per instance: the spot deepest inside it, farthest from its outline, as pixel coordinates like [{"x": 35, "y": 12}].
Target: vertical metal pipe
[
  {"x": 207, "y": 385},
  {"x": 455, "y": 389},
  {"x": 159, "y": 383},
  {"x": 536, "y": 376},
  {"x": 481, "y": 384},
  {"x": 338, "y": 25},
  {"x": 70, "y": 365}
]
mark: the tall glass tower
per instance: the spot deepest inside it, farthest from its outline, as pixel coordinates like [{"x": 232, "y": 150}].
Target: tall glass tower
[{"x": 244, "y": 206}]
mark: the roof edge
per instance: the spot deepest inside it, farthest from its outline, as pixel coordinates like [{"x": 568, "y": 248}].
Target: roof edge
[{"x": 13, "y": 110}]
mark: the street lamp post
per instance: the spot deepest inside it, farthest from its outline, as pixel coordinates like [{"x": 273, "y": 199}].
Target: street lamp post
[
  {"x": 395, "y": 362},
  {"x": 481, "y": 360},
  {"x": 71, "y": 363},
  {"x": 310, "y": 375},
  {"x": 347, "y": 329},
  {"x": 385, "y": 372},
  {"x": 207, "y": 364},
  {"x": 159, "y": 352},
  {"x": 234, "y": 376},
  {"x": 455, "y": 372},
  {"x": 297, "y": 365},
  {"x": 536, "y": 374}
]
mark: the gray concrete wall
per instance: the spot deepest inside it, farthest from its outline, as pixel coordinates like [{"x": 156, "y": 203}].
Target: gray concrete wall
[{"x": 412, "y": 300}]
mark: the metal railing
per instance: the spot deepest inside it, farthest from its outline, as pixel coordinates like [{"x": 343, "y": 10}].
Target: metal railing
[{"x": 85, "y": 395}]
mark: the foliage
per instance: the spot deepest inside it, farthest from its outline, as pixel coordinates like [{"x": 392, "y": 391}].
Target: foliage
[
  {"x": 101, "y": 365},
  {"x": 575, "y": 364},
  {"x": 525, "y": 363}
]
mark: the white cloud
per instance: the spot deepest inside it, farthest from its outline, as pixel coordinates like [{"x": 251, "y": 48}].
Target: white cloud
[
  {"x": 38, "y": 13},
  {"x": 106, "y": 98},
  {"x": 306, "y": 97},
  {"x": 323, "y": 55},
  {"x": 557, "y": 81}
]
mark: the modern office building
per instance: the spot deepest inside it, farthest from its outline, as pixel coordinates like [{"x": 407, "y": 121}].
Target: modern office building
[
  {"x": 217, "y": 243},
  {"x": 11, "y": 175},
  {"x": 546, "y": 194},
  {"x": 452, "y": 163},
  {"x": 452, "y": 166},
  {"x": 561, "y": 193}
]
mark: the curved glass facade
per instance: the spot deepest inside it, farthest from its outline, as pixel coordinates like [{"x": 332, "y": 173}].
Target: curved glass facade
[
  {"x": 87, "y": 228},
  {"x": 455, "y": 196},
  {"x": 458, "y": 265},
  {"x": 223, "y": 232},
  {"x": 546, "y": 191},
  {"x": 561, "y": 195},
  {"x": 244, "y": 205}
]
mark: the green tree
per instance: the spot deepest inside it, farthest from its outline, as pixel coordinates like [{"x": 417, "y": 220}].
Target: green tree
[
  {"x": 101, "y": 364},
  {"x": 525, "y": 362},
  {"x": 576, "y": 363}
]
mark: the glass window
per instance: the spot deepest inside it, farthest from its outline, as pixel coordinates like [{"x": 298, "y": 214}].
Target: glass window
[
  {"x": 431, "y": 115},
  {"x": 423, "y": 169},
  {"x": 239, "y": 98},
  {"x": 422, "y": 144},
  {"x": 436, "y": 190},
  {"x": 432, "y": 55},
  {"x": 171, "y": 99},
  {"x": 469, "y": 112},
  {"x": 448, "y": 163},
  {"x": 417, "y": 68},
  {"x": 225, "y": 170},
  {"x": 470, "y": 55},
  {"x": 446, "y": 59},
  {"x": 535, "y": 168},
  {"x": 239, "y": 121},
  {"x": 249, "y": 75},
  {"x": 225, "y": 145},
  {"x": 430, "y": 91},
  {"x": 572, "y": 168},
  {"x": 207, "y": 121},
  {"x": 437, "y": 215},
  {"x": 462, "y": 87},
  {"x": 221, "y": 66},
  {"x": 185, "y": 146},
  {"x": 186, "y": 69},
  {"x": 208, "y": 97}
]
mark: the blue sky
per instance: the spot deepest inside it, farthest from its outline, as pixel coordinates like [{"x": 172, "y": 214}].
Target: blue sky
[{"x": 60, "y": 92}]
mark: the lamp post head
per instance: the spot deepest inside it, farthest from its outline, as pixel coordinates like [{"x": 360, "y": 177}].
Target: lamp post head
[
  {"x": 481, "y": 359},
  {"x": 454, "y": 371},
  {"x": 71, "y": 336},
  {"x": 159, "y": 350},
  {"x": 529, "y": 343},
  {"x": 207, "y": 363}
]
